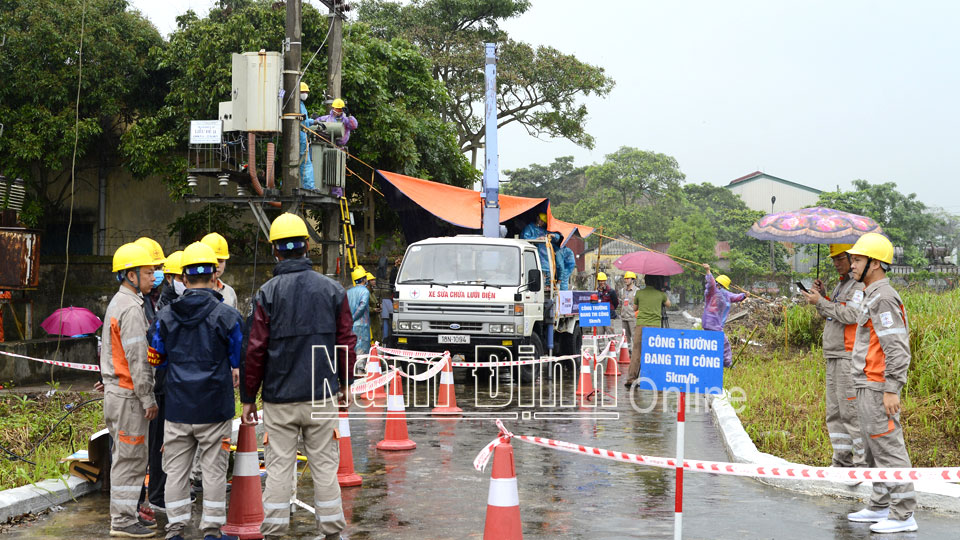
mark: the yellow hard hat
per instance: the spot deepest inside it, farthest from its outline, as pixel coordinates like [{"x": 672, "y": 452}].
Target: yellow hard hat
[
  {"x": 152, "y": 247},
  {"x": 542, "y": 216},
  {"x": 601, "y": 277},
  {"x": 172, "y": 264},
  {"x": 338, "y": 104},
  {"x": 370, "y": 277},
  {"x": 724, "y": 281},
  {"x": 288, "y": 225},
  {"x": 129, "y": 256},
  {"x": 839, "y": 249},
  {"x": 358, "y": 273},
  {"x": 629, "y": 274},
  {"x": 218, "y": 243},
  {"x": 198, "y": 258},
  {"x": 873, "y": 245},
  {"x": 304, "y": 87}
]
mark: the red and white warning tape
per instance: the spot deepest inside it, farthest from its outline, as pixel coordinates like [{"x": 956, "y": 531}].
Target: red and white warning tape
[
  {"x": 802, "y": 472},
  {"x": 435, "y": 368},
  {"x": 367, "y": 385},
  {"x": 71, "y": 365}
]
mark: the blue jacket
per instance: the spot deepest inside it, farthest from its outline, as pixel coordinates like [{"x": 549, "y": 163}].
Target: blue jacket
[{"x": 197, "y": 340}]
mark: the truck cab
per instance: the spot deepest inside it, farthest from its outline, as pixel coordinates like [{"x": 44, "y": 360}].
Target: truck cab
[{"x": 475, "y": 296}]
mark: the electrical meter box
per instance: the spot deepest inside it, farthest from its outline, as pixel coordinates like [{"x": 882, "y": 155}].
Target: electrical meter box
[
  {"x": 226, "y": 115},
  {"x": 256, "y": 91},
  {"x": 329, "y": 166}
]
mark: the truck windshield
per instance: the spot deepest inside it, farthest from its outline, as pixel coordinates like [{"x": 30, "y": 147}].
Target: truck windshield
[{"x": 461, "y": 264}]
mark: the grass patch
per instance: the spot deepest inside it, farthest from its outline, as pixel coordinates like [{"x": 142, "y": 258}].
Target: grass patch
[
  {"x": 784, "y": 409},
  {"x": 25, "y": 419}
]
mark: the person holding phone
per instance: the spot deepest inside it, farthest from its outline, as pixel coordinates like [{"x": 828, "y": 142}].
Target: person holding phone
[{"x": 840, "y": 309}]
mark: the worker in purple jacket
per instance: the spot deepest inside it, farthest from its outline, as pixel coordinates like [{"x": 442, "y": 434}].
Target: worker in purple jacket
[
  {"x": 716, "y": 306},
  {"x": 340, "y": 113}
]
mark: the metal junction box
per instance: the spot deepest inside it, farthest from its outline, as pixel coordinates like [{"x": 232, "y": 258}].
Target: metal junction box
[
  {"x": 255, "y": 91},
  {"x": 19, "y": 258}
]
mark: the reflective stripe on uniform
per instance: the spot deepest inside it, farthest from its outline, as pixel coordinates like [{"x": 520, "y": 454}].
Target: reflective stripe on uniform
[
  {"x": 277, "y": 521},
  {"x": 904, "y": 495},
  {"x": 177, "y": 504},
  {"x": 219, "y": 520},
  {"x": 214, "y": 504},
  {"x": 335, "y": 503},
  {"x": 132, "y": 502},
  {"x": 330, "y": 519},
  {"x": 891, "y": 331},
  {"x": 839, "y": 436},
  {"x": 132, "y": 341},
  {"x": 842, "y": 447}
]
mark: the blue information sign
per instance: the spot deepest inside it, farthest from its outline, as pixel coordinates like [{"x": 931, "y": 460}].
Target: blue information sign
[
  {"x": 595, "y": 314},
  {"x": 681, "y": 361}
]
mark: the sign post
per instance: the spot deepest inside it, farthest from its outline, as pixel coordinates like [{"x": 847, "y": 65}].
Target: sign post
[{"x": 682, "y": 361}]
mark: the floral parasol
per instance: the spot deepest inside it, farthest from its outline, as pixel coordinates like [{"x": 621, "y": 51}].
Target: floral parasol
[{"x": 815, "y": 225}]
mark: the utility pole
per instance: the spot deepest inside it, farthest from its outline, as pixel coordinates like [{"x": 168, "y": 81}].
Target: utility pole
[
  {"x": 331, "y": 218},
  {"x": 291, "y": 99}
]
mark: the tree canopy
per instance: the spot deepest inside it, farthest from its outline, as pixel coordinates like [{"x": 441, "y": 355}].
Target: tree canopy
[
  {"x": 40, "y": 68},
  {"x": 537, "y": 87},
  {"x": 386, "y": 83}
]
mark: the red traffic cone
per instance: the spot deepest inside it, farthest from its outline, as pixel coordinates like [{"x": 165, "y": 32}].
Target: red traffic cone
[
  {"x": 585, "y": 386},
  {"x": 446, "y": 396},
  {"x": 625, "y": 351},
  {"x": 611, "y": 360},
  {"x": 246, "y": 499},
  {"x": 346, "y": 477},
  {"x": 503, "y": 499},
  {"x": 373, "y": 371},
  {"x": 395, "y": 435}
]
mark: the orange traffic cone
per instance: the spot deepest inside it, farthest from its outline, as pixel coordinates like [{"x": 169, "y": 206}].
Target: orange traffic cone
[
  {"x": 373, "y": 371},
  {"x": 585, "y": 386},
  {"x": 246, "y": 499},
  {"x": 446, "y": 396},
  {"x": 346, "y": 477},
  {"x": 503, "y": 499},
  {"x": 611, "y": 360},
  {"x": 395, "y": 435},
  {"x": 625, "y": 351}
]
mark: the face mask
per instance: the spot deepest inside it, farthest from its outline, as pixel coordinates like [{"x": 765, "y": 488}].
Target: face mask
[
  {"x": 179, "y": 287},
  {"x": 157, "y": 277},
  {"x": 303, "y": 96}
]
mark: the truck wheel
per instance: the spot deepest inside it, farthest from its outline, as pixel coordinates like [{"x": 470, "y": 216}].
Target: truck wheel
[{"x": 527, "y": 373}]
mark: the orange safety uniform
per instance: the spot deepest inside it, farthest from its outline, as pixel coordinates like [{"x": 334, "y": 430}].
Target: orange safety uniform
[
  {"x": 128, "y": 392},
  {"x": 881, "y": 356},
  {"x": 841, "y": 311}
]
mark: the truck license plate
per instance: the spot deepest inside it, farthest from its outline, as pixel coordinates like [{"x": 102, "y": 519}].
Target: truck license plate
[{"x": 454, "y": 338}]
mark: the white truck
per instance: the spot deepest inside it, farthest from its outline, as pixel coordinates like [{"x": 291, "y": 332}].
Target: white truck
[{"x": 483, "y": 298}]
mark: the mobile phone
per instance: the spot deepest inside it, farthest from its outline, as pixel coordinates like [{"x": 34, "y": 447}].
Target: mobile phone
[{"x": 802, "y": 288}]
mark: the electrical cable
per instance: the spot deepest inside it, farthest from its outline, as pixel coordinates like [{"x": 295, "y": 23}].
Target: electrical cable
[
  {"x": 296, "y": 86},
  {"x": 48, "y": 433},
  {"x": 73, "y": 171}
]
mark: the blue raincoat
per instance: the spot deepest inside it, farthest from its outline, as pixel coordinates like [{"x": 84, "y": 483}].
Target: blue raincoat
[
  {"x": 716, "y": 307},
  {"x": 566, "y": 264},
  {"x": 306, "y": 165},
  {"x": 531, "y": 232},
  {"x": 358, "y": 298}
]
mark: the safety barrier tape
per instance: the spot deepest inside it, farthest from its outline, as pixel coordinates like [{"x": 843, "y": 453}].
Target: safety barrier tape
[
  {"x": 801, "y": 472},
  {"x": 430, "y": 373},
  {"x": 364, "y": 386},
  {"x": 71, "y": 365}
]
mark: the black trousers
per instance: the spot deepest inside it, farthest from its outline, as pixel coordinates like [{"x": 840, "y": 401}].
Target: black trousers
[{"x": 155, "y": 458}]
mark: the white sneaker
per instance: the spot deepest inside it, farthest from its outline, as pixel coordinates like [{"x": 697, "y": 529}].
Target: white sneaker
[
  {"x": 869, "y": 516},
  {"x": 894, "y": 526}
]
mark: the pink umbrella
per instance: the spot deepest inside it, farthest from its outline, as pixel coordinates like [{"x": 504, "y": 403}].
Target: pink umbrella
[
  {"x": 71, "y": 321},
  {"x": 648, "y": 262}
]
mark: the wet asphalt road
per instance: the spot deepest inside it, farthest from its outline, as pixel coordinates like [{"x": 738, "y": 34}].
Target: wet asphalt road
[{"x": 433, "y": 491}]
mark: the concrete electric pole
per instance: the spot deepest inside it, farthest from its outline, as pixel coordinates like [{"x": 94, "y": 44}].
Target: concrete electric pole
[{"x": 291, "y": 100}]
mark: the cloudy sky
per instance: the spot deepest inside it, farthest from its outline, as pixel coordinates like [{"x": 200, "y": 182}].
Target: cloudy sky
[{"x": 817, "y": 92}]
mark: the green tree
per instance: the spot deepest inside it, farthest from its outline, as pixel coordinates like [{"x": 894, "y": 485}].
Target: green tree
[
  {"x": 537, "y": 87},
  {"x": 693, "y": 238},
  {"x": 561, "y": 181},
  {"x": 905, "y": 220},
  {"x": 39, "y": 66},
  {"x": 387, "y": 84}
]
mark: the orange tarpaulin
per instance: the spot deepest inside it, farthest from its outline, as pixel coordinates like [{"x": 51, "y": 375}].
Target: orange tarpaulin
[{"x": 463, "y": 207}]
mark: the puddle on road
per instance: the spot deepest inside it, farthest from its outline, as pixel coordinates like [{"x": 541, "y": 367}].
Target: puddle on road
[{"x": 433, "y": 492}]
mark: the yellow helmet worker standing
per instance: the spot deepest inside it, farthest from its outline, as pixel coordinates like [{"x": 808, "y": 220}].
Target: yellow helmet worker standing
[{"x": 218, "y": 244}]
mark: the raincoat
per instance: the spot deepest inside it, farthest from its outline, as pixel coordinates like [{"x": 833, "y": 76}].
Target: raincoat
[
  {"x": 716, "y": 307},
  {"x": 531, "y": 232},
  {"x": 358, "y": 297},
  {"x": 566, "y": 264},
  {"x": 349, "y": 124},
  {"x": 306, "y": 165}
]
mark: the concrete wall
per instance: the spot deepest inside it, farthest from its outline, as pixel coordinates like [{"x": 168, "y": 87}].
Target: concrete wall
[{"x": 23, "y": 372}]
